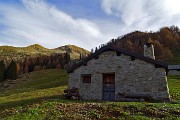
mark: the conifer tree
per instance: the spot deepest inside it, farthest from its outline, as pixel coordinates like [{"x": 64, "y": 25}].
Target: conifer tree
[
  {"x": 11, "y": 72},
  {"x": 2, "y": 71}
]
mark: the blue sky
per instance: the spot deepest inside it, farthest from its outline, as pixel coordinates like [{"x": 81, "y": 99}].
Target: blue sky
[
  {"x": 80, "y": 8},
  {"x": 85, "y": 23}
]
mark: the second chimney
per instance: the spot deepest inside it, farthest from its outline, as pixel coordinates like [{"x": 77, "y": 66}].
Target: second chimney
[{"x": 149, "y": 50}]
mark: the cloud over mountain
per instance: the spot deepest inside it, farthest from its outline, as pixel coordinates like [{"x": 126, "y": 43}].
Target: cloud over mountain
[
  {"x": 49, "y": 24},
  {"x": 144, "y": 13},
  {"x": 43, "y": 23}
]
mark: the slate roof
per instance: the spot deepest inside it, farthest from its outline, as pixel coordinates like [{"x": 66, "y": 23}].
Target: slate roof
[
  {"x": 110, "y": 48},
  {"x": 174, "y": 67}
]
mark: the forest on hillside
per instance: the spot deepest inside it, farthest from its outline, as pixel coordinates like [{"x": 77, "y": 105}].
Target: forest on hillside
[
  {"x": 15, "y": 61},
  {"x": 166, "y": 43},
  {"x": 12, "y": 69}
]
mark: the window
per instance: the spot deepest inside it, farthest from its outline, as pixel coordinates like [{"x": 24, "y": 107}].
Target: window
[
  {"x": 86, "y": 78},
  {"x": 109, "y": 79}
]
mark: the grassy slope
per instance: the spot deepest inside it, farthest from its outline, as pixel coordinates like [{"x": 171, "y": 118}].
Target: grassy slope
[
  {"x": 77, "y": 50},
  {"x": 174, "y": 87},
  {"x": 73, "y": 50},
  {"x": 40, "y": 97},
  {"x": 8, "y": 52}
]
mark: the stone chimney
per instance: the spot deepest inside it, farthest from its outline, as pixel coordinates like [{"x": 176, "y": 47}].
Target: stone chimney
[{"x": 149, "y": 50}]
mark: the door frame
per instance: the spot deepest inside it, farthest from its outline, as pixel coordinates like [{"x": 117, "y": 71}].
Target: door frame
[{"x": 110, "y": 73}]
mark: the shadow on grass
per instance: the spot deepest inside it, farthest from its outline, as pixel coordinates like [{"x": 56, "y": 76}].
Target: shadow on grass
[
  {"x": 29, "y": 89},
  {"x": 7, "y": 105},
  {"x": 44, "y": 79}
]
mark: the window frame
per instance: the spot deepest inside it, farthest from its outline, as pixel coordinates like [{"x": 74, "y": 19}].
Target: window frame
[{"x": 85, "y": 79}]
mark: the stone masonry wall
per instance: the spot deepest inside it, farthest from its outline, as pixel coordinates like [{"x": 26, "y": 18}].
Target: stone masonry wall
[{"x": 132, "y": 77}]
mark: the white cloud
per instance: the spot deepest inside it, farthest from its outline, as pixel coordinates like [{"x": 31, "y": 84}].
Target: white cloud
[
  {"x": 144, "y": 14},
  {"x": 39, "y": 22},
  {"x": 36, "y": 21}
]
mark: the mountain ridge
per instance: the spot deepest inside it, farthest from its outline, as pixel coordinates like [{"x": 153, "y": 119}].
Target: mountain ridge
[
  {"x": 11, "y": 52},
  {"x": 74, "y": 51},
  {"x": 15, "y": 61}
]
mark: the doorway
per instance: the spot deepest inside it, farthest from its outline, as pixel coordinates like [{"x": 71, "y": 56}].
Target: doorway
[{"x": 109, "y": 87}]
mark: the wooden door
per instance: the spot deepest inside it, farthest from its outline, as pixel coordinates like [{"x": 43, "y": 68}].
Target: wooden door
[{"x": 108, "y": 87}]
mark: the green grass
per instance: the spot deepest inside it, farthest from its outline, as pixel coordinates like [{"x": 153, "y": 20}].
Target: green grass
[
  {"x": 40, "y": 85},
  {"x": 174, "y": 87},
  {"x": 40, "y": 97}
]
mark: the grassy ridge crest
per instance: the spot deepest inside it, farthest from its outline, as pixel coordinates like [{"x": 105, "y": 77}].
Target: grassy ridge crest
[{"x": 10, "y": 52}]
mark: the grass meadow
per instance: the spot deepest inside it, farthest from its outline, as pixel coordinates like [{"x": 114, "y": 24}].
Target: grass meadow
[{"x": 39, "y": 96}]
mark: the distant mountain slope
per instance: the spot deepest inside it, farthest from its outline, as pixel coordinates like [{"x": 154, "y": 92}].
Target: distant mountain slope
[
  {"x": 15, "y": 61},
  {"x": 10, "y": 52},
  {"x": 166, "y": 43},
  {"x": 36, "y": 50},
  {"x": 74, "y": 51}
]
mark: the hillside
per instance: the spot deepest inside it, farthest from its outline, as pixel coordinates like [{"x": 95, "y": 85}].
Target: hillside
[
  {"x": 39, "y": 95},
  {"x": 36, "y": 50},
  {"x": 176, "y": 58},
  {"x": 74, "y": 51},
  {"x": 10, "y": 52},
  {"x": 15, "y": 61},
  {"x": 166, "y": 43}
]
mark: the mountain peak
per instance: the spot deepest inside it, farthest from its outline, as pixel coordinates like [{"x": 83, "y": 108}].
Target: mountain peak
[
  {"x": 36, "y": 50},
  {"x": 74, "y": 51},
  {"x": 73, "y": 48},
  {"x": 36, "y": 46}
]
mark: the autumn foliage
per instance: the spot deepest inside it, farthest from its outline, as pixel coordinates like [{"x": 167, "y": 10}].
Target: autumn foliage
[
  {"x": 166, "y": 42},
  {"x": 16, "y": 68}
]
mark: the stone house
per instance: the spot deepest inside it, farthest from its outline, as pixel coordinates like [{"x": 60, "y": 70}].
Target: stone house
[{"x": 112, "y": 74}]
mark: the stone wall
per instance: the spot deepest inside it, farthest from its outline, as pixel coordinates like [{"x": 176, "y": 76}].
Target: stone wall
[{"x": 132, "y": 78}]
